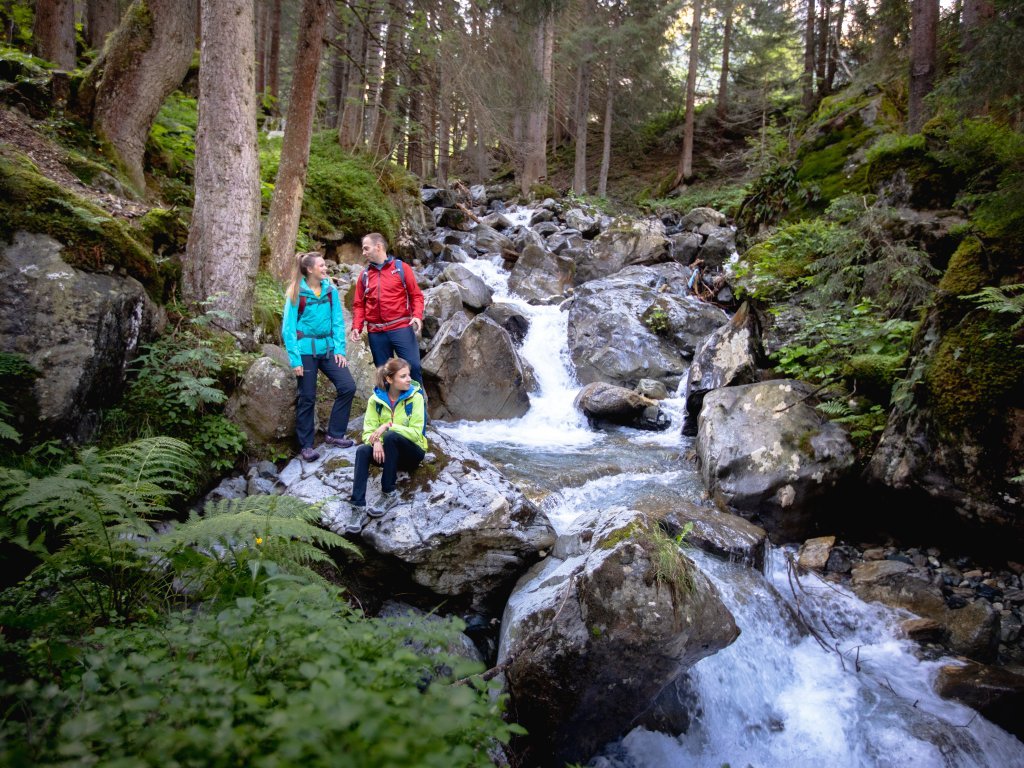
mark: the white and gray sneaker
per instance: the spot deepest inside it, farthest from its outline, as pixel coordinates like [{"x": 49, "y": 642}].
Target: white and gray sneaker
[{"x": 357, "y": 517}]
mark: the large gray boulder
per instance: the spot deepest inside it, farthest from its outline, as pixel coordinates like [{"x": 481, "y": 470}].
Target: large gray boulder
[
  {"x": 80, "y": 330},
  {"x": 439, "y": 304},
  {"x": 719, "y": 533},
  {"x": 640, "y": 323},
  {"x": 729, "y": 356},
  {"x": 540, "y": 274},
  {"x": 475, "y": 292},
  {"x": 702, "y": 216},
  {"x": 592, "y": 633},
  {"x": 767, "y": 453},
  {"x": 606, "y": 402},
  {"x": 460, "y": 527},
  {"x": 589, "y": 226},
  {"x": 628, "y": 241},
  {"x": 490, "y": 240},
  {"x": 263, "y": 404},
  {"x": 474, "y": 372}
]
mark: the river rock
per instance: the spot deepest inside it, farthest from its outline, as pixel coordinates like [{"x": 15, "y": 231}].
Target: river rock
[
  {"x": 606, "y": 402},
  {"x": 451, "y": 218},
  {"x": 767, "y": 453},
  {"x": 995, "y": 692},
  {"x": 496, "y": 220},
  {"x": 592, "y": 633},
  {"x": 540, "y": 274},
  {"x": 437, "y": 198},
  {"x": 460, "y": 527},
  {"x": 588, "y": 226},
  {"x": 697, "y": 217},
  {"x": 685, "y": 246},
  {"x": 729, "y": 356},
  {"x": 972, "y": 629},
  {"x": 650, "y": 307},
  {"x": 511, "y": 319},
  {"x": 475, "y": 373},
  {"x": 718, "y": 246},
  {"x": 719, "y": 533},
  {"x": 439, "y": 304},
  {"x": 652, "y": 389},
  {"x": 490, "y": 240},
  {"x": 628, "y": 241},
  {"x": 475, "y": 292},
  {"x": 79, "y": 330},
  {"x": 814, "y": 553}
]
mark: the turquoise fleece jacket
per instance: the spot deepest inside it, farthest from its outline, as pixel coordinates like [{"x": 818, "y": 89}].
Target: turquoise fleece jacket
[
  {"x": 409, "y": 425},
  {"x": 322, "y": 324}
]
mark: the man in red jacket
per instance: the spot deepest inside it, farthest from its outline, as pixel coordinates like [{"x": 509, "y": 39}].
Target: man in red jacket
[{"x": 390, "y": 304}]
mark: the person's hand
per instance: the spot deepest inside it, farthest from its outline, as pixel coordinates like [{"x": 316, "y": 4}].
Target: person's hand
[
  {"x": 355, "y": 334},
  {"x": 340, "y": 361},
  {"x": 298, "y": 370},
  {"x": 378, "y": 452},
  {"x": 417, "y": 324}
]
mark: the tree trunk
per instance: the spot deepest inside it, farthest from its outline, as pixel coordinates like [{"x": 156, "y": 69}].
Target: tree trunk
[
  {"x": 350, "y": 128},
  {"x": 286, "y": 203},
  {"x": 262, "y": 23},
  {"x": 145, "y": 58},
  {"x": 535, "y": 165},
  {"x": 222, "y": 254},
  {"x": 833, "y": 56},
  {"x": 923, "y": 32},
  {"x": 336, "y": 82},
  {"x": 54, "y": 32},
  {"x": 274, "y": 53},
  {"x": 606, "y": 147},
  {"x": 579, "y": 178},
  {"x": 807, "y": 78},
  {"x": 821, "y": 58},
  {"x": 374, "y": 66},
  {"x": 101, "y": 17},
  {"x": 974, "y": 16},
  {"x": 686, "y": 158},
  {"x": 383, "y": 141},
  {"x": 722, "y": 105}
]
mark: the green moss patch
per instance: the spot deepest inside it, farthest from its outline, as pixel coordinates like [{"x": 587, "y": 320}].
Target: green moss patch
[
  {"x": 92, "y": 240},
  {"x": 823, "y": 163},
  {"x": 977, "y": 366},
  {"x": 968, "y": 269}
]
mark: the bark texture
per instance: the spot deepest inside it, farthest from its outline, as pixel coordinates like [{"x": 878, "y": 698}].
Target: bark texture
[
  {"x": 686, "y": 158},
  {"x": 145, "y": 59},
  {"x": 223, "y": 243},
  {"x": 101, "y": 17},
  {"x": 923, "y": 33},
  {"x": 535, "y": 163},
  {"x": 286, "y": 203},
  {"x": 54, "y": 32}
]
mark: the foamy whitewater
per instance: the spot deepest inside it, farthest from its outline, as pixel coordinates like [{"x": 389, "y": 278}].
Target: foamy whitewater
[{"x": 777, "y": 697}]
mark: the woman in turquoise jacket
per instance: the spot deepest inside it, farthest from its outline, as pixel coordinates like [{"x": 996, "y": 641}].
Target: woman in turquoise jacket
[
  {"x": 313, "y": 330},
  {"x": 393, "y": 437}
]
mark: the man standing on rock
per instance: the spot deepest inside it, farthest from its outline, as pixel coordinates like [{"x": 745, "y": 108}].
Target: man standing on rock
[{"x": 390, "y": 303}]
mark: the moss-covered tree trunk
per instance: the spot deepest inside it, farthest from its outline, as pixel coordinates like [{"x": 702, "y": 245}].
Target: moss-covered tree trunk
[
  {"x": 145, "y": 58},
  {"x": 286, "y": 203},
  {"x": 222, "y": 254},
  {"x": 54, "y": 32}
]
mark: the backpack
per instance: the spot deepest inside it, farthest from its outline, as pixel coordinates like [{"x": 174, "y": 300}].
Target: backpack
[
  {"x": 365, "y": 280},
  {"x": 325, "y": 297}
]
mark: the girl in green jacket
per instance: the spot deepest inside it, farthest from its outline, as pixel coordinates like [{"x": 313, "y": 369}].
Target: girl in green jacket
[
  {"x": 313, "y": 330},
  {"x": 393, "y": 437}
]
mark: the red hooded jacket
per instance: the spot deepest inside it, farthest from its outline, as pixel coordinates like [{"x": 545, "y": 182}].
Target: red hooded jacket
[{"x": 385, "y": 304}]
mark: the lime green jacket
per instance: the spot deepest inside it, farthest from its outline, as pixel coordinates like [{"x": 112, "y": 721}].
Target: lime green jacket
[{"x": 408, "y": 418}]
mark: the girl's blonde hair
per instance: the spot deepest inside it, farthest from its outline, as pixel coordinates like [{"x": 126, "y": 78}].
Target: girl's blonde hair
[
  {"x": 303, "y": 263},
  {"x": 390, "y": 368}
]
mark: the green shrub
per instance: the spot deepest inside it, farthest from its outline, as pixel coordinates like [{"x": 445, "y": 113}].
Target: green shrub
[
  {"x": 171, "y": 148},
  {"x": 726, "y": 199},
  {"x": 780, "y": 265}
]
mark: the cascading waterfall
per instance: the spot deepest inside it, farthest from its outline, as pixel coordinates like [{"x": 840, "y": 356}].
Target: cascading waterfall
[{"x": 777, "y": 696}]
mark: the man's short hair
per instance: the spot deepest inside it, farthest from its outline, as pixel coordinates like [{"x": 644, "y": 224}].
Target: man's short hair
[{"x": 377, "y": 238}]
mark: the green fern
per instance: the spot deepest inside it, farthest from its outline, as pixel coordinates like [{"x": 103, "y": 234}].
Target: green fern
[
  {"x": 1006, "y": 299},
  {"x": 834, "y": 409},
  {"x": 7, "y": 432},
  {"x": 236, "y": 541}
]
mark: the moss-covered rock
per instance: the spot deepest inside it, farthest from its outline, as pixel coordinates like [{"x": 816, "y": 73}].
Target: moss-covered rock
[
  {"x": 977, "y": 365},
  {"x": 873, "y": 375},
  {"x": 92, "y": 240},
  {"x": 968, "y": 270},
  {"x": 165, "y": 229}
]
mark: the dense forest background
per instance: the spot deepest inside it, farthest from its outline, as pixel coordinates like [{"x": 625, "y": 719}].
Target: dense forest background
[{"x": 870, "y": 153}]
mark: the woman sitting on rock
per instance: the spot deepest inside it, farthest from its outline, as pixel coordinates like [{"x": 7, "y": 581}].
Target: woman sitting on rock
[
  {"x": 392, "y": 437},
  {"x": 313, "y": 330}
]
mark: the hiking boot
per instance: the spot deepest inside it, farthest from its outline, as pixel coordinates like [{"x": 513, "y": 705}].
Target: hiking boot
[
  {"x": 389, "y": 500},
  {"x": 339, "y": 442},
  {"x": 377, "y": 510},
  {"x": 309, "y": 454},
  {"x": 355, "y": 521}
]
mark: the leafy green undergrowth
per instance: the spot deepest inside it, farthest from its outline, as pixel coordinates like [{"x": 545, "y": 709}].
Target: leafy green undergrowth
[
  {"x": 211, "y": 642},
  {"x": 179, "y": 389},
  {"x": 726, "y": 199},
  {"x": 346, "y": 195},
  {"x": 171, "y": 148}
]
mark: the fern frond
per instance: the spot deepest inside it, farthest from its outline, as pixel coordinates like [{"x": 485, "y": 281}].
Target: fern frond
[
  {"x": 1005, "y": 299},
  {"x": 150, "y": 468},
  {"x": 834, "y": 408}
]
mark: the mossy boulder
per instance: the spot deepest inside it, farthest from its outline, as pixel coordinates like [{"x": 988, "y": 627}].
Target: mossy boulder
[
  {"x": 873, "y": 375},
  {"x": 92, "y": 240}
]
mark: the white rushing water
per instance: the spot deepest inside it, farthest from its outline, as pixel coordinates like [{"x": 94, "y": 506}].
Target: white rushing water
[{"x": 777, "y": 697}]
